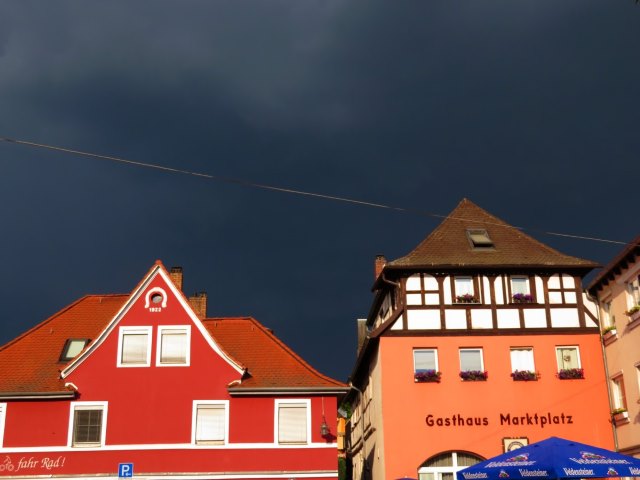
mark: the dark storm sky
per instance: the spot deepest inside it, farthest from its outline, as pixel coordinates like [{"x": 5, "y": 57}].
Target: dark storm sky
[{"x": 529, "y": 108}]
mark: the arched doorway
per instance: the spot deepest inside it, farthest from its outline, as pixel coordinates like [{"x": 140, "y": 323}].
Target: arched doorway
[{"x": 444, "y": 466}]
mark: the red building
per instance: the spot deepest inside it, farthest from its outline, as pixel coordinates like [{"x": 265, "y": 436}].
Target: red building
[{"x": 143, "y": 385}]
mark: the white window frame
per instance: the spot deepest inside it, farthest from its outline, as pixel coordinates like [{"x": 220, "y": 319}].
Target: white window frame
[
  {"x": 194, "y": 422},
  {"x": 526, "y": 283},
  {"x": 134, "y": 331},
  {"x": 618, "y": 395},
  {"x": 530, "y": 358},
  {"x": 633, "y": 292},
  {"x": 462, "y": 280},
  {"x": 3, "y": 416},
  {"x": 276, "y": 430},
  {"x": 76, "y": 406},
  {"x": 418, "y": 350},
  {"x": 576, "y": 348},
  {"x": 471, "y": 350},
  {"x": 161, "y": 330}
]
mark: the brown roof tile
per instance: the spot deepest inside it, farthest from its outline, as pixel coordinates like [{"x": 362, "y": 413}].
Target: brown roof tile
[{"x": 448, "y": 246}]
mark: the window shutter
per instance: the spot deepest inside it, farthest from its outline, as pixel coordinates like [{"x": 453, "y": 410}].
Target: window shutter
[
  {"x": 210, "y": 423},
  {"x": 424, "y": 360},
  {"x": 292, "y": 423},
  {"x": 470, "y": 360},
  {"x": 174, "y": 346},
  {"x": 134, "y": 348}
]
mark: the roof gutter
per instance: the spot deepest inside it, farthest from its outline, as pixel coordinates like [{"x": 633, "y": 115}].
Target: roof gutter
[
  {"x": 36, "y": 395},
  {"x": 288, "y": 390}
]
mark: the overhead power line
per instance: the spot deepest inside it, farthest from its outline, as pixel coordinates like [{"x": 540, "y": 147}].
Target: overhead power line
[{"x": 247, "y": 183}]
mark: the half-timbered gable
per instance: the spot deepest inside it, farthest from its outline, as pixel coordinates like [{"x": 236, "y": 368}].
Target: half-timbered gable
[{"x": 478, "y": 340}]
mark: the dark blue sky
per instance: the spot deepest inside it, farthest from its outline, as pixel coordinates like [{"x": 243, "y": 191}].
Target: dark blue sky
[{"x": 528, "y": 108}]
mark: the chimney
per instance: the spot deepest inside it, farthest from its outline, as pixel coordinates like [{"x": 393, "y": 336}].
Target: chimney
[
  {"x": 176, "y": 276},
  {"x": 362, "y": 332},
  {"x": 199, "y": 304},
  {"x": 379, "y": 264}
]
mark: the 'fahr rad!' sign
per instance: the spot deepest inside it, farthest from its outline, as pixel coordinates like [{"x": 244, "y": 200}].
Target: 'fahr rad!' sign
[{"x": 29, "y": 465}]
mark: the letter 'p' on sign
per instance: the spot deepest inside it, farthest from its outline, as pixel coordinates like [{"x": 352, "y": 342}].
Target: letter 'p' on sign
[{"x": 125, "y": 470}]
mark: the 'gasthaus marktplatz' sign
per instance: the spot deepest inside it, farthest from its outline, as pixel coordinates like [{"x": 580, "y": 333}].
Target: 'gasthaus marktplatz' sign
[
  {"x": 540, "y": 420},
  {"x": 554, "y": 458}
]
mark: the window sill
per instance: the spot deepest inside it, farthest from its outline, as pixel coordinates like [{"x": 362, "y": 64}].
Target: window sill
[
  {"x": 609, "y": 337},
  {"x": 621, "y": 418}
]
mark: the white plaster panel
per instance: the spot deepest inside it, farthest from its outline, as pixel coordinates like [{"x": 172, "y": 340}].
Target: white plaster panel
[
  {"x": 568, "y": 281},
  {"x": 413, "y": 282},
  {"x": 508, "y": 318},
  {"x": 486, "y": 286},
  {"x": 570, "y": 297},
  {"x": 455, "y": 319},
  {"x": 535, "y": 318},
  {"x": 397, "y": 325},
  {"x": 430, "y": 282},
  {"x": 554, "y": 281},
  {"x": 590, "y": 305},
  {"x": 447, "y": 290},
  {"x": 539, "y": 289},
  {"x": 414, "y": 299},
  {"x": 564, "y": 317},
  {"x": 423, "y": 319},
  {"x": 499, "y": 287},
  {"x": 555, "y": 297},
  {"x": 431, "y": 299},
  {"x": 481, "y": 318}
]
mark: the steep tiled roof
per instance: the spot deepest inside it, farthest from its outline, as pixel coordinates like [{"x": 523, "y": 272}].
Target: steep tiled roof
[
  {"x": 271, "y": 364},
  {"x": 448, "y": 246},
  {"x": 30, "y": 363},
  {"x": 620, "y": 262}
]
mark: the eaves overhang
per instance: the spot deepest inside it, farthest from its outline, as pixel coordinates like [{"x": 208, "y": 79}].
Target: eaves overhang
[
  {"x": 36, "y": 395},
  {"x": 287, "y": 391}
]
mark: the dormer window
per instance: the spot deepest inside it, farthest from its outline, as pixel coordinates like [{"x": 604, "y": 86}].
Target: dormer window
[
  {"x": 72, "y": 347},
  {"x": 479, "y": 239}
]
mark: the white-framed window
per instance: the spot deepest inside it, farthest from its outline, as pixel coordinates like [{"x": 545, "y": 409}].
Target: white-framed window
[
  {"x": 134, "y": 347},
  {"x": 522, "y": 359},
  {"x": 471, "y": 360},
  {"x": 520, "y": 285},
  {"x": 617, "y": 392},
  {"x": 210, "y": 422},
  {"x": 87, "y": 424},
  {"x": 425, "y": 359},
  {"x": 633, "y": 292},
  {"x": 445, "y": 465},
  {"x": 463, "y": 285},
  {"x": 568, "y": 357},
  {"x": 173, "y": 347},
  {"x": 3, "y": 415},
  {"x": 607, "y": 318},
  {"x": 293, "y": 422}
]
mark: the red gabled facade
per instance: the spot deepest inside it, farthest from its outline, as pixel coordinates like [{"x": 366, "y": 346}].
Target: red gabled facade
[{"x": 163, "y": 392}]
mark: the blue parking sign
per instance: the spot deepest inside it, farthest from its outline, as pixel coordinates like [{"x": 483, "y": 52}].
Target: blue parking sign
[{"x": 125, "y": 470}]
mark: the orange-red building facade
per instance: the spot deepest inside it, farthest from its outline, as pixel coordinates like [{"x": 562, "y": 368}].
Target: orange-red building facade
[{"x": 480, "y": 300}]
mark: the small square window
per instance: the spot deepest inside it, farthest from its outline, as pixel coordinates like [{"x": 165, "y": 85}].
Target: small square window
[
  {"x": 293, "y": 422},
  {"x": 173, "y": 345},
  {"x": 522, "y": 359},
  {"x": 211, "y": 423},
  {"x": 471, "y": 360},
  {"x": 568, "y": 358},
  {"x": 87, "y": 424},
  {"x": 424, "y": 360},
  {"x": 72, "y": 348},
  {"x": 479, "y": 239}
]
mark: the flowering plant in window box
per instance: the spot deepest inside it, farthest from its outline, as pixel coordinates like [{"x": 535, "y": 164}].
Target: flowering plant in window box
[
  {"x": 633, "y": 313},
  {"x": 522, "y": 298},
  {"x": 571, "y": 373},
  {"x": 474, "y": 375},
  {"x": 466, "y": 298},
  {"x": 424, "y": 376},
  {"x": 610, "y": 330},
  {"x": 524, "y": 375}
]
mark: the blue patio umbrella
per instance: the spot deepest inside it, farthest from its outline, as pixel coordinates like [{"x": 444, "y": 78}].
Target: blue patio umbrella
[{"x": 554, "y": 458}]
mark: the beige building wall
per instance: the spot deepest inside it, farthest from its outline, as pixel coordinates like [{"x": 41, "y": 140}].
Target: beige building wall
[{"x": 617, "y": 292}]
